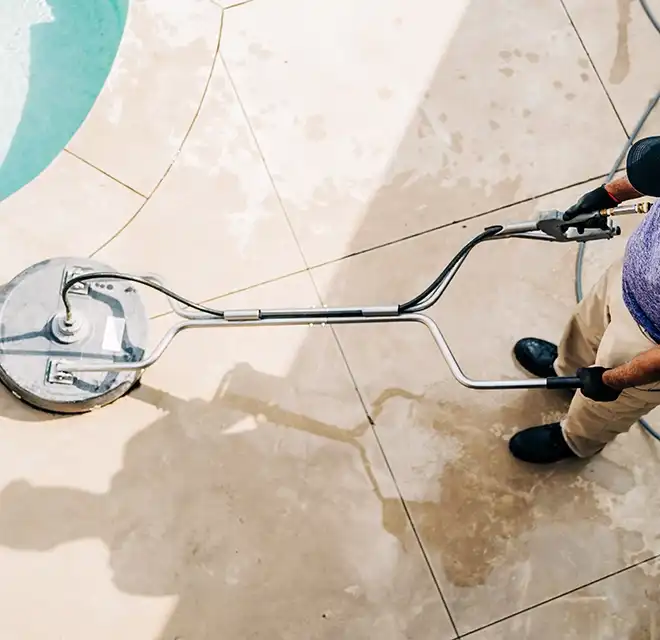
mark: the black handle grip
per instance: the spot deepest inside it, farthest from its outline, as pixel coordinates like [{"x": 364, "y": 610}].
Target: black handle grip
[{"x": 564, "y": 383}]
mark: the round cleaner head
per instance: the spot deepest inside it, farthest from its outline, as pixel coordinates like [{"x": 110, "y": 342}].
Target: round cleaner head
[{"x": 108, "y": 324}]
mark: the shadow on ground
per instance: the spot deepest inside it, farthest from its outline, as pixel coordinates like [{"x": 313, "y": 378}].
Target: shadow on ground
[
  {"x": 199, "y": 503},
  {"x": 195, "y": 513}
]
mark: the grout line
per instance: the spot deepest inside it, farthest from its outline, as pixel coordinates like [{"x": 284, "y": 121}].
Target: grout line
[
  {"x": 402, "y": 500},
  {"x": 105, "y": 173},
  {"x": 374, "y": 431},
  {"x": 265, "y": 164},
  {"x": 562, "y": 595},
  {"x": 178, "y": 151},
  {"x": 231, "y": 6},
  {"x": 593, "y": 66},
  {"x": 418, "y": 538},
  {"x": 446, "y": 225}
]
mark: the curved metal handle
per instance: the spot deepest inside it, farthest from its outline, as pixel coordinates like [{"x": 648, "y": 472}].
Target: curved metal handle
[{"x": 65, "y": 366}]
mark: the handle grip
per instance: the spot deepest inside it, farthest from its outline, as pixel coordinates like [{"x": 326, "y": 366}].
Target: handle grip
[{"x": 564, "y": 383}]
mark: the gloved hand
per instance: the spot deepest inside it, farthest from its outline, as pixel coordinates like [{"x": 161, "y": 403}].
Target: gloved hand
[
  {"x": 593, "y": 386},
  {"x": 591, "y": 202}
]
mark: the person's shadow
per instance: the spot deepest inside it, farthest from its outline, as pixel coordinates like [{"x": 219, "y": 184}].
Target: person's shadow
[
  {"x": 214, "y": 505},
  {"x": 70, "y": 57}
]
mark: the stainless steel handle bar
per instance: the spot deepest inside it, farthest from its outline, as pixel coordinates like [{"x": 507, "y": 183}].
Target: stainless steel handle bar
[
  {"x": 548, "y": 228},
  {"x": 429, "y": 323}
]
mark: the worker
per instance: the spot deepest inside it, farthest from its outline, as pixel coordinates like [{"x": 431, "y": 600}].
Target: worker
[{"x": 612, "y": 340}]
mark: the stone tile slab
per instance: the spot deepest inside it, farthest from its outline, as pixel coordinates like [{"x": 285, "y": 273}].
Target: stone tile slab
[
  {"x": 501, "y": 536},
  {"x": 383, "y": 119},
  {"x": 623, "y": 606},
  {"x": 624, "y": 46},
  {"x": 70, "y": 209},
  {"x": 215, "y": 224},
  {"x": 154, "y": 89}
]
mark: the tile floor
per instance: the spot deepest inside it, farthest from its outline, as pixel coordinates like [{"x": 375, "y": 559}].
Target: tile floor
[{"x": 299, "y": 482}]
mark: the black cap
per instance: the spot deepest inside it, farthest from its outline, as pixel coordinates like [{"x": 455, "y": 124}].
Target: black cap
[{"x": 643, "y": 166}]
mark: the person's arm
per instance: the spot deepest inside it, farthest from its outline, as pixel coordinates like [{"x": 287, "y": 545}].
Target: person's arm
[
  {"x": 605, "y": 385},
  {"x": 606, "y": 196},
  {"x": 621, "y": 189},
  {"x": 642, "y": 369}
]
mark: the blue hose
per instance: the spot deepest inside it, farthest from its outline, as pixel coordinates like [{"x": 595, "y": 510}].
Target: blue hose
[{"x": 635, "y": 132}]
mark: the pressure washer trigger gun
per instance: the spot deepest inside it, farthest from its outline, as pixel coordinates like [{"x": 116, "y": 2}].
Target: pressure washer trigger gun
[{"x": 592, "y": 226}]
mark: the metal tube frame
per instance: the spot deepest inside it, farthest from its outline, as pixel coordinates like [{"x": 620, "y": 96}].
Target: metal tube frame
[{"x": 368, "y": 315}]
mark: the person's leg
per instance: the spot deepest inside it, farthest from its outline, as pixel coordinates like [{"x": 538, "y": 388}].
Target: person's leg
[
  {"x": 590, "y": 425},
  {"x": 601, "y": 332},
  {"x": 581, "y": 337},
  {"x": 586, "y": 327}
]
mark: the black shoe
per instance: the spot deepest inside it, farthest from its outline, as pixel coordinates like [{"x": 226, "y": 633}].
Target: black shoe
[
  {"x": 540, "y": 445},
  {"x": 536, "y": 356}
]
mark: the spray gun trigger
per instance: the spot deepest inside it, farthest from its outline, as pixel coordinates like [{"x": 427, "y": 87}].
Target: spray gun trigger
[{"x": 581, "y": 228}]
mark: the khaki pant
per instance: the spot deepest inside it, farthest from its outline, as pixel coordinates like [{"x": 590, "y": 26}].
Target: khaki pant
[{"x": 602, "y": 332}]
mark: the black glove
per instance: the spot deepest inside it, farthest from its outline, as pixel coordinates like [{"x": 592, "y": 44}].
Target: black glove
[
  {"x": 591, "y": 202},
  {"x": 593, "y": 386}
]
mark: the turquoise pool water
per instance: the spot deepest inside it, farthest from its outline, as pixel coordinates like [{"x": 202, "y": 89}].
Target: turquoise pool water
[{"x": 55, "y": 56}]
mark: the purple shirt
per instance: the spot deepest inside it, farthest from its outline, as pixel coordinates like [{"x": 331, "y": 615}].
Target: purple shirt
[{"x": 641, "y": 273}]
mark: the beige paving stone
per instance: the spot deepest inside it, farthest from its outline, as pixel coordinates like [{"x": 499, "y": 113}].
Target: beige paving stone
[
  {"x": 154, "y": 89},
  {"x": 69, "y": 209},
  {"x": 623, "y": 606},
  {"x": 383, "y": 119},
  {"x": 501, "y": 536},
  {"x": 215, "y": 224},
  {"x": 624, "y": 46},
  {"x": 238, "y": 493}
]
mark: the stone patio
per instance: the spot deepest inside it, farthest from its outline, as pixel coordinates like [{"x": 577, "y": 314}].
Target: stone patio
[{"x": 310, "y": 483}]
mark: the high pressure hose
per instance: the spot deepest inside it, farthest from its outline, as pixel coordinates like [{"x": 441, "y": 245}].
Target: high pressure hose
[
  {"x": 421, "y": 297},
  {"x": 631, "y": 139},
  {"x": 649, "y": 14}
]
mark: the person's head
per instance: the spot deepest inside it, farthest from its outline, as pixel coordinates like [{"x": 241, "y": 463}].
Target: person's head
[{"x": 643, "y": 166}]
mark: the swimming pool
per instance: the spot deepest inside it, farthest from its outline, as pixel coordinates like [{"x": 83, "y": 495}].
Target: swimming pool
[{"x": 55, "y": 56}]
